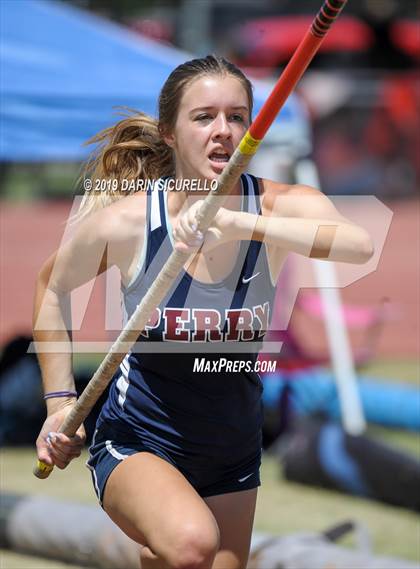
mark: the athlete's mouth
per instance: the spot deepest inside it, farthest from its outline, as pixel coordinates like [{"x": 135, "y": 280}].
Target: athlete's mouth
[{"x": 219, "y": 157}]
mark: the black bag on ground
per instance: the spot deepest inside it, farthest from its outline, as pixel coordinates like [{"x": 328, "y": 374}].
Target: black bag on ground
[{"x": 322, "y": 454}]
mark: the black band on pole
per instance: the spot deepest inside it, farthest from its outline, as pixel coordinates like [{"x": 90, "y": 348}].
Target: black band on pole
[
  {"x": 336, "y": 4},
  {"x": 326, "y": 17}
]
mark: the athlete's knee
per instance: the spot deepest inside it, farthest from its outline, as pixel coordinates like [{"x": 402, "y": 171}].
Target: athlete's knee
[{"x": 196, "y": 547}]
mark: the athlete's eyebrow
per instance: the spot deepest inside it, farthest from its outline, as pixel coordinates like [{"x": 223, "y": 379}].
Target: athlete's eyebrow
[{"x": 209, "y": 108}]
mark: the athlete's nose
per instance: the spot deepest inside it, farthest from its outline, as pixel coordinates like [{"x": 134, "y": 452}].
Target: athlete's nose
[{"x": 221, "y": 127}]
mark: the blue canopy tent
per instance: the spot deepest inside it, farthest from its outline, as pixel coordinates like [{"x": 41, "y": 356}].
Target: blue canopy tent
[{"x": 64, "y": 70}]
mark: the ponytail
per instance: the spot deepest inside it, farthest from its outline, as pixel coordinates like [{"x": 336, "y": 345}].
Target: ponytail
[{"x": 130, "y": 150}]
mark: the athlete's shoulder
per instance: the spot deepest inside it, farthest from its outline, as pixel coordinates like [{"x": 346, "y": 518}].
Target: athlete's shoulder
[
  {"x": 273, "y": 193},
  {"x": 270, "y": 188},
  {"x": 286, "y": 199},
  {"x": 122, "y": 219},
  {"x": 296, "y": 200}
]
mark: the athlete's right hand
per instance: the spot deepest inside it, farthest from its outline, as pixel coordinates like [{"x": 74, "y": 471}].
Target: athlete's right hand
[
  {"x": 188, "y": 238},
  {"x": 55, "y": 448}
]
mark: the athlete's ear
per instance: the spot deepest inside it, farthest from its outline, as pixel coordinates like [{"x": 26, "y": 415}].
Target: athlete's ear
[{"x": 168, "y": 137}]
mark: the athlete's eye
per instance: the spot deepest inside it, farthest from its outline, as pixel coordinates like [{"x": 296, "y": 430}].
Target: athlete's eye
[
  {"x": 203, "y": 117},
  {"x": 237, "y": 118}
]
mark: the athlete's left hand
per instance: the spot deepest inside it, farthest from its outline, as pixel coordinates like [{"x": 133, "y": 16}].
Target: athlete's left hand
[{"x": 188, "y": 238}]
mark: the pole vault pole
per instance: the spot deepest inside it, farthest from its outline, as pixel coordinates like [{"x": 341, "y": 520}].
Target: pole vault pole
[{"x": 230, "y": 175}]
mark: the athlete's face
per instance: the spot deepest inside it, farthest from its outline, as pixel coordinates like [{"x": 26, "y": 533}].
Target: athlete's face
[{"x": 212, "y": 118}]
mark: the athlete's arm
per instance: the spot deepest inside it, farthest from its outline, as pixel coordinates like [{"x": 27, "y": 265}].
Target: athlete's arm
[
  {"x": 107, "y": 238},
  {"x": 303, "y": 220},
  {"x": 295, "y": 219}
]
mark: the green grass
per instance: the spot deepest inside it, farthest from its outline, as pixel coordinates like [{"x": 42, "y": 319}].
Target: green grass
[
  {"x": 11, "y": 560},
  {"x": 404, "y": 440},
  {"x": 398, "y": 370}
]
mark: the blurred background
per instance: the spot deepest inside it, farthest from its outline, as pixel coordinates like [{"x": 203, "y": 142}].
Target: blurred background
[{"x": 67, "y": 64}]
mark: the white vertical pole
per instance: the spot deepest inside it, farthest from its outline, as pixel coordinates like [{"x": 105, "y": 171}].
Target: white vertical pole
[{"x": 340, "y": 352}]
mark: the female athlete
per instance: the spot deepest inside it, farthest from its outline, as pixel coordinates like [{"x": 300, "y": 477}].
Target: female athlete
[{"x": 176, "y": 454}]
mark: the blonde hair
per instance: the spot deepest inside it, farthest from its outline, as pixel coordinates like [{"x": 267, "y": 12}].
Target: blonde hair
[
  {"x": 130, "y": 150},
  {"x": 134, "y": 148}
]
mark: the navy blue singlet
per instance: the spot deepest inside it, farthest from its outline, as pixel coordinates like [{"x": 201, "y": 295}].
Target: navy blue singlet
[{"x": 206, "y": 423}]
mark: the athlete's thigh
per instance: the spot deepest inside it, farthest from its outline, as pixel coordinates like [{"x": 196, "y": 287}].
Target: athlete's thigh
[
  {"x": 154, "y": 504},
  {"x": 234, "y": 513}
]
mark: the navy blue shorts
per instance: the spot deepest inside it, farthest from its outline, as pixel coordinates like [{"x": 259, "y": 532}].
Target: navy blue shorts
[{"x": 109, "y": 448}]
